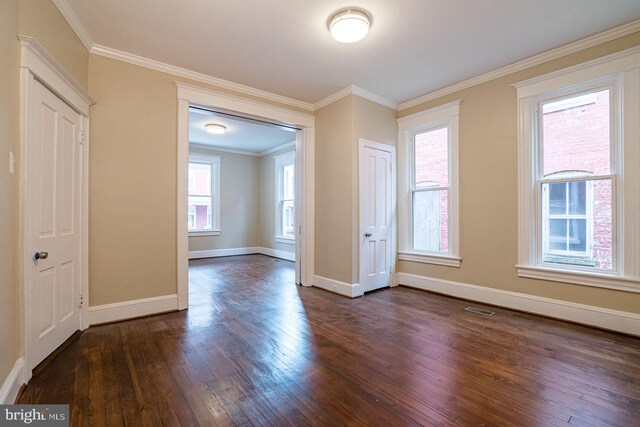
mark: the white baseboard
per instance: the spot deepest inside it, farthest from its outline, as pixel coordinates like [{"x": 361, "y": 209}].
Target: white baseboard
[
  {"x": 129, "y": 309},
  {"x": 615, "y": 320},
  {"x": 13, "y": 382},
  {"x": 341, "y": 288},
  {"x": 278, "y": 253},
  {"x": 214, "y": 253}
]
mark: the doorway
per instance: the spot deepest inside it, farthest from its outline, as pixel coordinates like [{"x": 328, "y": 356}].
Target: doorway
[{"x": 293, "y": 219}]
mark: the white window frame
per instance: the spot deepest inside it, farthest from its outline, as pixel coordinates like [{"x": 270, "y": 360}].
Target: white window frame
[
  {"x": 436, "y": 118},
  {"x": 214, "y": 161},
  {"x": 620, "y": 73},
  {"x": 282, "y": 160}
]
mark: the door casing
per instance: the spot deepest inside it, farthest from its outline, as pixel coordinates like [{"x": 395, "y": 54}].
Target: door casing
[{"x": 37, "y": 64}]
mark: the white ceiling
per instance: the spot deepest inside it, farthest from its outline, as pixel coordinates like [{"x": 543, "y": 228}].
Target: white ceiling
[
  {"x": 243, "y": 135},
  {"x": 282, "y": 46}
]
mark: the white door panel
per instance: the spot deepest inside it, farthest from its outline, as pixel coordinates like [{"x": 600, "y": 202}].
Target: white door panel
[
  {"x": 52, "y": 215},
  {"x": 375, "y": 218}
]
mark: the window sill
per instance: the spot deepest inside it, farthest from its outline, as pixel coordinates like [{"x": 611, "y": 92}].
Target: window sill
[
  {"x": 285, "y": 240},
  {"x": 449, "y": 261},
  {"x": 205, "y": 233},
  {"x": 598, "y": 280}
]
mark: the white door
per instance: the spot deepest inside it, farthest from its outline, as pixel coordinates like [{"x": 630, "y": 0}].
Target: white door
[
  {"x": 376, "y": 169},
  {"x": 53, "y": 222}
]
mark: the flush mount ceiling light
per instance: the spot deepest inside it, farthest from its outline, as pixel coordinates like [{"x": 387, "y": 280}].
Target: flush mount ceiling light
[
  {"x": 349, "y": 25},
  {"x": 215, "y": 128}
]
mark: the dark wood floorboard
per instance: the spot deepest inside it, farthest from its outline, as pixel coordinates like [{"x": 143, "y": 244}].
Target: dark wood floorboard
[{"x": 254, "y": 349}]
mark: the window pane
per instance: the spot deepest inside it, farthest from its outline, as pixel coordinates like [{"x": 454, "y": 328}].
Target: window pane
[
  {"x": 582, "y": 236},
  {"x": 558, "y": 198},
  {"x": 576, "y": 135},
  {"x": 288, "y": 218},
  {"x": 288, "y": 186},
  {"x": 430, "y": 221},
  {"x": 200, "y": 179},
  {"x": 578, "y": 235},
  {"x": 577, "y": 200},
  {"x": 432, "y": 158},
  {"x": 201, "y": 208},
  {"x": 558, "y": 234}
]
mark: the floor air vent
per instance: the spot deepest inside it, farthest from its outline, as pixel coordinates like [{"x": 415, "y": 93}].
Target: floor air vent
[{"x": 479, "y": 311}]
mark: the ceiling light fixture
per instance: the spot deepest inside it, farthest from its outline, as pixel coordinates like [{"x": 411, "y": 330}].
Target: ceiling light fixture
[
  {"x": 349, "y": 25},
  {"x": 215, "y": 128}
]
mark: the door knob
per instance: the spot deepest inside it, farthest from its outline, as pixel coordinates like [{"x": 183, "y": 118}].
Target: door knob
[
  {"x": 367, "y": 234},
  {"x": 40, "y": 255}
]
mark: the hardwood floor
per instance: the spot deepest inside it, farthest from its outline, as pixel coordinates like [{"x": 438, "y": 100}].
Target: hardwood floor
[{"x": 254, "y": 349}]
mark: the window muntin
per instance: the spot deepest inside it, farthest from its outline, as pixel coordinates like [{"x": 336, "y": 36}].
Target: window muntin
[
  {"x": 430, "y": 190},
  {"x": 575, "y": 180},
  {"x": 203, "y": 199}
]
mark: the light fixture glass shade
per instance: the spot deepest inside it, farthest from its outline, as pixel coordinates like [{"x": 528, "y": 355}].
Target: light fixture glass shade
[
  {"x": 215, "y": 128},
  {"x": 349, "y": 25}
]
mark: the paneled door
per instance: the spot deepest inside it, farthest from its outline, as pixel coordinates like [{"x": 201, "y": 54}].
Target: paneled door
[
  {"x": 376, "y": 169},
  {"x": 53, "y": 204}
]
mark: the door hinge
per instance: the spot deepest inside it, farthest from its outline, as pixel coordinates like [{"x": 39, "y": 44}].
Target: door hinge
[
  {"x": 81, "y": 301},
  {"x": 299, "y": 230},
  {"x": 83, "y": 138}
]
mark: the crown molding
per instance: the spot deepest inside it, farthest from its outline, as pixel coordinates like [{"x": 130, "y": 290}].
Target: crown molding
[
  {"x": 532, "y": 61},
  {"x": 355, "y": 90},
  {"x": 223, "y": 150},
  {"x": 75, "y": 23},
  {"x": 277, "y": 148},
  {"x": 194, "y": 75}
]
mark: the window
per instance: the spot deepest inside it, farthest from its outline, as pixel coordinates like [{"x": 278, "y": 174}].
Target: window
[
  {"x": 429, "y": 197},
  {"x": 285, "y": 197},
  {"x": 578, "y": 187},
  {"x": 204, "y": 194}
]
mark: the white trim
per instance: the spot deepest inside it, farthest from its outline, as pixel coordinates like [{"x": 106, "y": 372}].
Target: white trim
[
  {"x": 215, "y": 253},
  {"x": 579, "y": 277},
  {"x": 353, "y": 290},
  {"x": 430, "y": 258},
  {"x": 195, "y": 76},
  {"x": 620, "y": 73},
  {"x": 615, "y": 320},
  {"x": 241, "y": 152},
  {"x": 53, "y": 75},
  {"x": 532, "y": 61},
  {"x": 280, "y": 161},
  {"x": 203, "y": 233},
  {"x": 285, "y": 240},
  {"x": 446, "y": 115},
  {"x": 363, "y": 192},
  {"x": 305, "y": 167},
  {"x": 277, "y": 148},
  {"x": 278, "y": 253},
  {"x": 74, "y": 23},
  {"x": 130, "y": 309},
  {"x": 13, "y": 382},
  {"x": 355, "y": 90},
  {"x": 223, "y": 150}
]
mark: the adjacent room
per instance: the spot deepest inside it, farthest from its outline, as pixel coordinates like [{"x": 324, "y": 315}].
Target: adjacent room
[{"x": 326, "y": 213}]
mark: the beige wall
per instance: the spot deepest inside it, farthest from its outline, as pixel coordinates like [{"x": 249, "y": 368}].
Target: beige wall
[
  {"x": 239, "y": 203},
  {"x": 9, "y": 141},
  {"x": 339, "y": 127},
  {"x": 489, "y": 193},
  {"x": 42, "y": 20},
  {"x": 267, "y": 196},
  {"x": 334, "y": 163}
]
